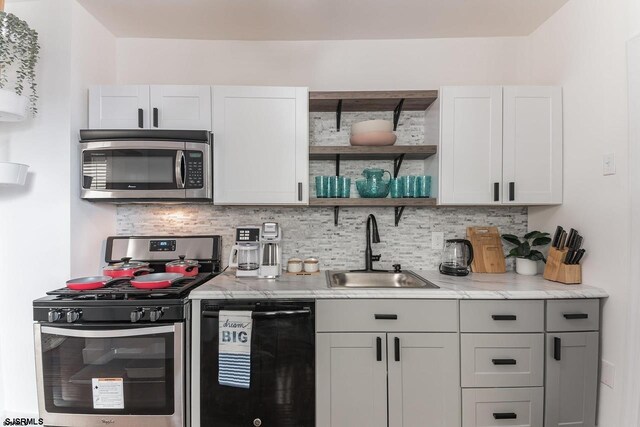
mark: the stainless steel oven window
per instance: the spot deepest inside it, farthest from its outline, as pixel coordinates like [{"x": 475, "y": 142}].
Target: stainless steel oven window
[{"x": 148, "y": 360}]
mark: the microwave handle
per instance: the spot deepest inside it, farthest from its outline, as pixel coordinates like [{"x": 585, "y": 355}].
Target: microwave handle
[{"x": 180, "y": 168}]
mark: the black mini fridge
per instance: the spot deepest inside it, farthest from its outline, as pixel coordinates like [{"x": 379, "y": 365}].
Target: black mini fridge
[{"x": 282, "y": 379}]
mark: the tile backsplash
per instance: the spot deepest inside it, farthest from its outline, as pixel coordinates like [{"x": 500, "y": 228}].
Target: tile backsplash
[{"x": 311, "y": 232}]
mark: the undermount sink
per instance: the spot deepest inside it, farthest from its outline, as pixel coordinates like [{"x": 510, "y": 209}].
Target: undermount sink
[{"x": 376, "y": 279}]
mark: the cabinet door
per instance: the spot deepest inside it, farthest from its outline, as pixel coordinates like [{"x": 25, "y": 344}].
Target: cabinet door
[
  {"x": 351, "y": 380},
  {"x": 261, "y": 145},
  {"x": 571, "y": 379},
  {"x": 119, "y": 107},
  {"x": 181, "y": 107},
  {"x": 471, "y": 145},
  {"x": 424, "y": 380},
  {"x": 532, "y": 145}
]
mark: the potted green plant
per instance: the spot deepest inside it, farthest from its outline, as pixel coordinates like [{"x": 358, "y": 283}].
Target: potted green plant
[
  {"x": 526, "y": 257},
  {"x": 19, "y": 53}
]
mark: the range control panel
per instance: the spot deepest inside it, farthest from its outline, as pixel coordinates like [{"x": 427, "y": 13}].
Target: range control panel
[{"x": 195, "y": 169}]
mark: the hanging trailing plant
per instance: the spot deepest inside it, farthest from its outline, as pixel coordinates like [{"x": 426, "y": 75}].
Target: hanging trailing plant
[{"x": 19, "y": 53}]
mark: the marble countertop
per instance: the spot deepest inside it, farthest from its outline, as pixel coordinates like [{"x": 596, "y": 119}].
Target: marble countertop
[{"x": 474, "y": 286}]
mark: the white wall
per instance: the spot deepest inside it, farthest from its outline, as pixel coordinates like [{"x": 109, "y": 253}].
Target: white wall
[
  {"x": 36, "y": 220},
  {"x": 321, "y": 65},
  {"x": 582, "y": 48},
  {"x": 93, "y": 61}
]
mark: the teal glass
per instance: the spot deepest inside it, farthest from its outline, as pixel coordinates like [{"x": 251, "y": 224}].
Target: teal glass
[
  {"x": 322, "y": 186},
  {"x": 423, "y": 186},
  {"x": 409, "y": 186},
  {"x": 333, "y": 187},
  {"x": 344, "y": 187},
  {"x": 396, "y": 187}
]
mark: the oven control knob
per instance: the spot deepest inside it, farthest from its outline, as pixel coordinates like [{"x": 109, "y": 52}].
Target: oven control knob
[
  {"x": 257, "y": 422},
  {"x": 73, "y": 315},
  {"x": 155, "y": 314},
  {"x": 54, "y": 315},
  {"x": 136, "y": 315}
]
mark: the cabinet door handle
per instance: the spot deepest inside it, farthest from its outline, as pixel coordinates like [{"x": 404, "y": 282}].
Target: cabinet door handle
[
  {"x": 504, "y": 317},
  {"x": 379, "y": 349},
  {"x": 503, "y": 361},
  {"x": 504, "y": 416},
  {"x": 385, "y": 316},
  {"x": 140, "y": 118},
  {"x": 512, "y": 191},
  {"x": 573, "y": 316},
  {"x": 299, "y": 191},
  {"x": 557, "y": 348},
  {"x": 496, "y": 191},
  {"x": 155, "y": 117},
  {"x": 396, "y": 345}
]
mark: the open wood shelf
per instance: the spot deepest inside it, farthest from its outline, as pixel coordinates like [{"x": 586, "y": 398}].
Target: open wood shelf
[
  {"x": 414, "y": 100},
  {"x": 365, "y": 202},
  {"x": 410, "y": 152}
]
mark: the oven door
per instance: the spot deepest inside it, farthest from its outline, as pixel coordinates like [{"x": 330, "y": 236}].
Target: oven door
[
  {"x": 110, "y": 375},
  {"x": 165, "y": 170}
]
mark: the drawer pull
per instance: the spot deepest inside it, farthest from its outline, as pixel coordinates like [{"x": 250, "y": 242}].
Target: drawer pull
[
  {"x": 557, "y": 348},
  {"x": 504, "y": 317},
  {"x": 503, "y": 361},
  {"x": 574, "y": 316},
  {"x": 396, "y": 344},
  {"x": 379, "y": 349},
  {"x": 385, "y": 316},
  {"x": 504, "y": 415}
]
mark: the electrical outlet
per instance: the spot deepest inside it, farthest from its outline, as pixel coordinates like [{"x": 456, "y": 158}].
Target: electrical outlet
[
  {"x": 607, "y": 373},
  {"x": 609, "y": 164},
  {"x": 437, "y": 240}
]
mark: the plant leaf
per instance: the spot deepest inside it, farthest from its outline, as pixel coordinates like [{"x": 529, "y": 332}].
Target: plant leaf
[
  {"x": 513, "y": 253},
  {"x": 524, "y": 250},
  {"x": 541, "y": 241},
  {"x": 535, "y": 235},
  {"x": 512, "y": 239},
  {"x": 536, "y": 256}
]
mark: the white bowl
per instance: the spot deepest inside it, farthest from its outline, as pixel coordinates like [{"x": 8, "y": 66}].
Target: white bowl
[
  {"x": 372, "y": 126},
  {"x": 13, "y": 107},
  {"x": 13, "y": 173}
]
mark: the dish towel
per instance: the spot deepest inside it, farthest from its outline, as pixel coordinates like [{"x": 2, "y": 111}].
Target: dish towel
[{"x": 234, "y": 348}]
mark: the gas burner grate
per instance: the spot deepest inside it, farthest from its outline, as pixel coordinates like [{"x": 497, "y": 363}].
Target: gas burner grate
[{"x": 122, "y": 289}]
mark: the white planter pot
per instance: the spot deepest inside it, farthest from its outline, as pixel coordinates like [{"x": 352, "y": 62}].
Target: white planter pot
[
  {"x": 13, "y": 107},
  {"x": 13, "y": 173},
  {"x": 526, "y": 267}
]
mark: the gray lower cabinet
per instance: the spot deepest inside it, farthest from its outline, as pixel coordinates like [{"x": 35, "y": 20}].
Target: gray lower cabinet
[
  {"x": 571, "y": 379},
  {"x": 423, "y": 379}
]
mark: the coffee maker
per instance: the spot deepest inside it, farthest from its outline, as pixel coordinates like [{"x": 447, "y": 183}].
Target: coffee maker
[
  {"x": 245, "y": 254},
  {"x": 270, "y": 250}
]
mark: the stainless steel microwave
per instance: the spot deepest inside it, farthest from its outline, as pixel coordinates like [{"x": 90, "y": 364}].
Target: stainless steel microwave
[{"x": 146, "y": 165}]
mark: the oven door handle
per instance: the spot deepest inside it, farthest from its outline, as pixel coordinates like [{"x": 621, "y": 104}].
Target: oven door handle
[
  {"x": 263, "y": 314},
  {"x": 118, "y": 333}
]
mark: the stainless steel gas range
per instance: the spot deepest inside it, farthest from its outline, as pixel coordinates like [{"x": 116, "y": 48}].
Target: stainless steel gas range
[{"x": 118, "y": 355}]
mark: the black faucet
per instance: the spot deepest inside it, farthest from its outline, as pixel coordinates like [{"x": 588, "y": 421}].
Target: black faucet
[{"x": 368, "y": 258}]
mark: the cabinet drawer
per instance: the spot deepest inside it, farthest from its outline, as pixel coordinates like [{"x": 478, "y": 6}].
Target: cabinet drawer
[
  {"x": 501, "y": 316},
  {"x": 573, "y": 315},
  {"x": 502, "y": 360},
  {"x": 386, "y": 315},
  {"x": 522, "y": 407}
]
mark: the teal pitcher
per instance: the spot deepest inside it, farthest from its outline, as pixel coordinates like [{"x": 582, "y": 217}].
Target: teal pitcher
[{"x": 374, "y": 185}]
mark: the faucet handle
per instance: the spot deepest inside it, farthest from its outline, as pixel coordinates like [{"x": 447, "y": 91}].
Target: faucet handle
[
  {"x": 397, "y": 268},
  {"x": 376, "y": 257}
]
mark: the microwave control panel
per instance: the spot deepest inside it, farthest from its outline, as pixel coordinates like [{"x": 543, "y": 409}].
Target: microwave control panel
[{"x": 195, "y": 169}]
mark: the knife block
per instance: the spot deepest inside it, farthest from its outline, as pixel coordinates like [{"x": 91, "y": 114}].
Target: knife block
[{"x": 557, "y": 271}]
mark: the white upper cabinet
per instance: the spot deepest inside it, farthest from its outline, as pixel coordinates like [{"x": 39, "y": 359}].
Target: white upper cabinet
[
  {"x": 261, "y": 145},
  {"x": 119, "y": 107},
  {"x": 150, "y": 107},
  {"x": 181, "y": 107},
  {"x": 532, "y": 145},
  {"x": 501, "y": 145},
  {"x": 470, "y": 145}
]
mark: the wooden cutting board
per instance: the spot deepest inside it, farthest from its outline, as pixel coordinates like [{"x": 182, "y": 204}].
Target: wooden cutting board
[{"x": 488, "y": 254}]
